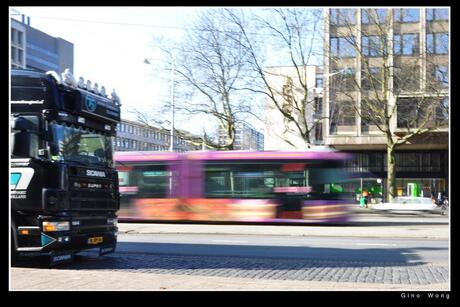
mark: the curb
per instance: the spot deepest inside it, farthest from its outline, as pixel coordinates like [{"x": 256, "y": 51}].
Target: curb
[{"x": 437, "y": 232}]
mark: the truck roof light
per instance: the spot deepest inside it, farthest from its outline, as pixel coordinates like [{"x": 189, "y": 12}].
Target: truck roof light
[
  {"x": 68, "y": 78},
  {"x": 81, "y": 83},
  {"x": 96, "y": 88},
  {"x": 88, "y": 85},
  {"x": 103, "y": 91},
  {"x": 115, "y": 98},
  {"x": 55, "y": 75}
]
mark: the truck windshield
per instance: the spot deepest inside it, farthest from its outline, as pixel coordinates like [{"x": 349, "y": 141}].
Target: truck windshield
[{"x": 81, "y": 145}]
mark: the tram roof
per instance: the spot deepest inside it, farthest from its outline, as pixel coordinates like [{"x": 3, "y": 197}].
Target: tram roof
[{"x": 140, "y": 156}]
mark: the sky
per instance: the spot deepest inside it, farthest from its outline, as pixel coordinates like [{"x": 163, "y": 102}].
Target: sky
[{"x": 111, "y": 44}]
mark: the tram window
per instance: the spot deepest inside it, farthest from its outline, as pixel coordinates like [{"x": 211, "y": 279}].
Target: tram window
[
  {"x": 154, "y": 181},
  {"x": 238, "y": 181}
]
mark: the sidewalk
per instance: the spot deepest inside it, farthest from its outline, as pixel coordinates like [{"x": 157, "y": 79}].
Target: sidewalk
[
  {"x": 398, "y": 231},
  {"x": 87, "y": 280},
  {"x": 360, "y": 210}
]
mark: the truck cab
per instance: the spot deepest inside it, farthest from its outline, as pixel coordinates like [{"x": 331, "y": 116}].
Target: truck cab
[{"x": 63, "y": 184}]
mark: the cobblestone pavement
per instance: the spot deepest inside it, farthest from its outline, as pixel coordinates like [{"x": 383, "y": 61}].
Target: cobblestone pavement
[
  {"x": 261, "y": 270},
  {"x": 281, "y": 269}
]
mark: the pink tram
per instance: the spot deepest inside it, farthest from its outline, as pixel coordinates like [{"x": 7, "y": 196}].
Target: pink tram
[{"x": 233, "y": 186}]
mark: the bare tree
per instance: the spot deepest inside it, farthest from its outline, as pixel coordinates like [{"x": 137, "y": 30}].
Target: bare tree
[
  {"x": 210, "y": 71},
  {"x": 294, "y": 31},
  {"x": 384, "y": 82}
]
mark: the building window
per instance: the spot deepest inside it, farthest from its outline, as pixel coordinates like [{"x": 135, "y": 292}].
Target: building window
[
  {"x": 341, "y": 17},
  {"x": 52, "y": 66},
  {"x": 319, "y": 80},
  {"x": 318, "y": 107},
  {"x": 406, "y": 44},
  {"x": 13, "y": 54},
  {"x": 14, "y": 35},
  {"x": 373, "y": 16},
  {"x": 371, "y": 79},
  {"x": 442, "y": 112},
  {"x": 438, "y": 76},
  {"x": 442, "y": 75},
  {"x": 406, "y": 15},
  {"x": 42, "y": 50},
  {"x": 343, "y": 47},
  {"x": 416, "y": 112},
  {"x": 403, "y": 77},
  {"x": 437, "y": 14},
  {"x": 342, "y": 113},
  {"x": 407, "y": 113},
  {"x": 373, "y": 45},
  {"x": 372, "y": 113},
  {"x": 20, "y": 38},
  {"x": 437, "y": 43},
  {"x": 343, "y": 81},
  {"x": 318, "y": 131}
]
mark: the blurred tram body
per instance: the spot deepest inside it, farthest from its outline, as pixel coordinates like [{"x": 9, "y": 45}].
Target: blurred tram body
[{"x": 233, "y": 186}]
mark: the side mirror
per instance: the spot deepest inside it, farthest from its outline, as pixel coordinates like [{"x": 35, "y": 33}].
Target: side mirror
[
  {"x": 25, "y": 136},
  {"x": 24, "y": 144}
]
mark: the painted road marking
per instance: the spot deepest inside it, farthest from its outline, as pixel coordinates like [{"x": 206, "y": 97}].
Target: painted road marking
[
  {"x": 229, "y": 241},
  {"x": 375, "y": 244}
]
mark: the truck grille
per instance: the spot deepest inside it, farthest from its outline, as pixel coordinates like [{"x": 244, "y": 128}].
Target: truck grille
[{"x": 84, "y": 198}]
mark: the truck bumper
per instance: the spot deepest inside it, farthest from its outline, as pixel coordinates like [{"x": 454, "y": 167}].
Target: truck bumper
[{"x": 37, "y": 243}]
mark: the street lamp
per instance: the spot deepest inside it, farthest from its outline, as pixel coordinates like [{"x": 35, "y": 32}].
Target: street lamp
[
  {"x": 171, "y": 145},
  {"x": 171, "y": 148}
]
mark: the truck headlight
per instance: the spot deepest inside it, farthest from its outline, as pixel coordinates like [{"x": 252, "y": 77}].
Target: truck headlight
[
  {"x": 112, "y": 221},
  {"x": 56, "y": 226}
]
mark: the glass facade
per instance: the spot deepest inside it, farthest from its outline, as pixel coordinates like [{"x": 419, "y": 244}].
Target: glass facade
[
  {"x": 342, "y": 47},
  {"x": 373, "y": 16},
  {"x": 429, "y": 169},
  {"x": 437, "y": 43},
  {"x": 341, "y": 17},
  {"x": 132, "y": 137},
  {"x": 418, "y": 69},
  {"x": 437, "y": 14},
  {"x": 406, "y": 15},
  {"x": 406, "y": 44},
  {"x": 373, "y": 45}
]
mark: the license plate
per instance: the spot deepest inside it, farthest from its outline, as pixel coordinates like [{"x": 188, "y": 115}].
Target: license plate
[{"x": 95, "y": 240}]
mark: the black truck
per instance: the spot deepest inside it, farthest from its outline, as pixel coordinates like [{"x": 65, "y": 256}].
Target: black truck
[{"x": 63, "y": 184}]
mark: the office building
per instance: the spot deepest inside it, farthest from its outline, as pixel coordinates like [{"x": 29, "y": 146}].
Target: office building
[
  {"x": 18, "y": 44},
  {"x": 292, "y": 96},
  {"x": 34, "y": 49},
  {"x": 135, "y": 136},
  {"x": 412, "y": 53},
  {"x": 246, "y": 137}
]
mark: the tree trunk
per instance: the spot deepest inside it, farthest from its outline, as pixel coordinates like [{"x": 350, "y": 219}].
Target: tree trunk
[{"x": 391, "y": 173}]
